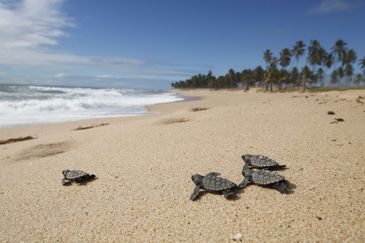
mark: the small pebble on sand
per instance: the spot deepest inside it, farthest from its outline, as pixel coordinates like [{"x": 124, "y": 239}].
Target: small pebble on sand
[{"x": 237, "y": 237}]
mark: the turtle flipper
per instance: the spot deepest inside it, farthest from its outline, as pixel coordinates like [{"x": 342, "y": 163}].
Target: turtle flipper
[
  {"x": 66, "y": 182},
  {"x": 195, "y": 193},
  {"x": 246, "y": 182},
  {"x": 229, "y": 193},
  {"x": 85, "y": 178},
  {"x": 282, "y": 187},
  {"x": 246, "y": 171},
  {"x": 277, "y": 167},
  {"x": 213, "y": 174}
]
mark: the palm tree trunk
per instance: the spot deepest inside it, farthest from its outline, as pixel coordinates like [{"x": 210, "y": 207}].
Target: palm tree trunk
[
  {"x": 247, "y": 86},
  {"x": 271, "y": 86}
]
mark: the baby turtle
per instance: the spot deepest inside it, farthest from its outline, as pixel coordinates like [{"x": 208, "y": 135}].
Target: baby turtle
[
  {"x": 264, "y": 178},
  {"x": 77, "y": 176},
  {"x": 262, "y": 162},
  {"x": 212, "y": 182}
]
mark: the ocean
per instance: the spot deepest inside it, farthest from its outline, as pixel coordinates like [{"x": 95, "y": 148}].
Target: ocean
[{"x": 31, "y": 104}]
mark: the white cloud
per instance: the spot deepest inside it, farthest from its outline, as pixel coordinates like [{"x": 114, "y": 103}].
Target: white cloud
[
  {"x": 29, "y": 29},
  {"x": 330, "y": 6},
  {"x": 31, "y": 23}
]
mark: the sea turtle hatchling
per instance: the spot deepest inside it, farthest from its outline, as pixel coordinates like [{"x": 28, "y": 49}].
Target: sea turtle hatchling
[
  {"x": 77, "y": 176},
  {"x": 264, "y": 178},
  {"x": 212, "y": 182},
  {"x": 262, "y": 162}
]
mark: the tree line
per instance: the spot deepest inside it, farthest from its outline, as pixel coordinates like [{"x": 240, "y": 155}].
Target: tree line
[{"x": 284, "y": 70}]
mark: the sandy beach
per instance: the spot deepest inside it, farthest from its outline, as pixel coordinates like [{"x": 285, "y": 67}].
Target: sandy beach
[{"x": 144, "y": 166}]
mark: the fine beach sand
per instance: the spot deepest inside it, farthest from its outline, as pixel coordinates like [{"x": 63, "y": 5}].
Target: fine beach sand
[{"x": 144, "y": 167}]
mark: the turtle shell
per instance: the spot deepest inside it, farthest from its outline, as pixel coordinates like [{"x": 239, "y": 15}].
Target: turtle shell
[
  {"x": 261, "y": 161},
  {"x": 76, "y": 174},
  {"x": 265, "y": 177},
  {"x": 213, "y": 182}
]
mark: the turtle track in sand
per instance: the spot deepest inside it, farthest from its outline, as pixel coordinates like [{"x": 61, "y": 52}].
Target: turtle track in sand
[{"x": 44, "y": 150}]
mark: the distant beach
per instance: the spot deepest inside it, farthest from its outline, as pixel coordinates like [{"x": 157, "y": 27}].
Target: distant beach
[{"x": 144, "y": 165}]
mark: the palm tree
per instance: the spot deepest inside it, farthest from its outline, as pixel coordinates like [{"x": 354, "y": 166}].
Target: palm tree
[
  {"x": 284, "y": 61},
  {"x": 285, "y": 57},
  {"x": 315, "y": 54},
  {"x": 273, "y": 71},
  {"x": 362, "y": 64},
  {"x": 350, "y": 56},
  {"x": 267, "y": 77},
  {"x": 328, "y": 60},
  {"x": 294, "y": 76},
  {"x": 349, "y": 59},
  {"x": 298, "y": 50},
  {"x": 247, "y": 78},
  {"x": 339, "y": 49},
  {"x": 339, "y": 52},
  {"x": 340, "y": 73},
  {"x": 306, "y": 76},
  {"x": 358, "y": 79},
  {"x": 334, "y": 76},
  {"x": 258, "y": 74},
  {"x": 271, "y": 63},
  {"x": 267, "y": 57},
  {"x": 320, "y": 76},
  {"x": 231, "y": 79},
  {"x": 349, "y": 71}
]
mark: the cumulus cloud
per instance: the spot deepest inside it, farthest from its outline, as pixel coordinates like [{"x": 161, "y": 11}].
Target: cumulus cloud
[
  {"x": 30, "y": 29},
  {"x": 31, "y": 23},
  {"x": 330, "y": 6}
]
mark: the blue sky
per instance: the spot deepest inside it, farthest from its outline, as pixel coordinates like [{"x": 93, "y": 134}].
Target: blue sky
[{"x": 148, "y": 43}]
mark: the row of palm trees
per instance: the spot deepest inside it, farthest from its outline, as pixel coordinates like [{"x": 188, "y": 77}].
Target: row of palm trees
[{"x": 335, "y": 65}]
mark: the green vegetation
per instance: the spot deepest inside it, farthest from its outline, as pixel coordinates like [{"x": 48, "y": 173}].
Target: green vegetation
[
  {"x": 337, "y": 65},
  {"x": 334, "y": 88}
]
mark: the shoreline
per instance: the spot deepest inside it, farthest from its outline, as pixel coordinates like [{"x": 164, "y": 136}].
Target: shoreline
[
  {"x": 149, "y": 109},
  {"x": 38, "y": 105},
  {"x": 144, "y": 166}
]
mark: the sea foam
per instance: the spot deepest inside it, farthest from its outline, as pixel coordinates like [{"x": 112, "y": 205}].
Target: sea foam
[{"x": 41, "y": 104}]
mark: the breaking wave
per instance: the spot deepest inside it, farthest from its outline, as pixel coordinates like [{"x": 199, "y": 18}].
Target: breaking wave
[{"x": 41, "y": 104}]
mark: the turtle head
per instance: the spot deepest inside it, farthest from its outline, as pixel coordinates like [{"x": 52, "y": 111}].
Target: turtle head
[
  {"x": 246, "y": 158},
  {"x": 197, "y": 179},
  {"x": 246, "y": 171},
  {"x": 64, "y": 172}
]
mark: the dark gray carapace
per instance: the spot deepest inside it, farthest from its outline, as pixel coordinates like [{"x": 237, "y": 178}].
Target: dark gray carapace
[
  {"x": 77, "y": 176},
  {"x": 262, "y": 162},
  {"x": 212, "y": 182}
]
